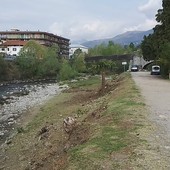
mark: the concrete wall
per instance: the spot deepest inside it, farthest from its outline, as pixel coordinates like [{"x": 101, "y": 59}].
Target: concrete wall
[{"x": 139, "y": 61}]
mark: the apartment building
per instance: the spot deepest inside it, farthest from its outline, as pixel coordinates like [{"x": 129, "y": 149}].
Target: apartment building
[{"x": 9, "y": 38}]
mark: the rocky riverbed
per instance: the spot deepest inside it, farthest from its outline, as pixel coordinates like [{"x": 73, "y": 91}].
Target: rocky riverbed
[{"x": 15, "y": 99}]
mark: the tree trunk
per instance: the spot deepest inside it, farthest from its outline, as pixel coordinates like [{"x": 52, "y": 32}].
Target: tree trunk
[{"x": 103, "y": 81}]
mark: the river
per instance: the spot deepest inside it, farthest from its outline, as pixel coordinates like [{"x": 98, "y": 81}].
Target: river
[{"x": 18, "y": 97}]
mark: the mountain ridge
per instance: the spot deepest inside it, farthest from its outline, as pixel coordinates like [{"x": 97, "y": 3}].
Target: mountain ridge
[{"x": 126, "y": 38}]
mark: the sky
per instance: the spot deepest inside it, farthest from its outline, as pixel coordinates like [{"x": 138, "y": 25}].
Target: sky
[{"x": 79, "y": 20}]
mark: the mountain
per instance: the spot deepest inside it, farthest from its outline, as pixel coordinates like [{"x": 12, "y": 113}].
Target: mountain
[{"x": 124, "y": 39}]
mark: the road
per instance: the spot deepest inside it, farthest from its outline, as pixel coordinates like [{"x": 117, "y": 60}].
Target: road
[{"x": 156, "y": 93}]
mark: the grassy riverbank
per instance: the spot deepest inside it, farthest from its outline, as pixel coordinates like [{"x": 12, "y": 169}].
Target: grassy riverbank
[{"x": 105, "y": 137}]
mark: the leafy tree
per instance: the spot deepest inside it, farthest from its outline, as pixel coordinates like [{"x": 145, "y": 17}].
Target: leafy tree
[
  {"x": 77, "y": 52},
  {"x": 163, "y": 31},
  {"x": 66, "y": 72},
  {"x": 33, "y": 49},
  {"x": 37, "y": 61},
  {"x": 49, "y": 66},
  {"x": 29, "y": 58},
  {"x": 132, "y": 46},
  {"x": 111, "y": 43},
  {"x": 3, "y": 67},
  {"x": 165, "y": 59},
  {"x": 78, "y": 62},
  {"x": 104, "y": 66},
  {"x": 97, "y": 51},
  {"x": 163, "y": 17},
  {"x": 156, "y": 46},
  {"x": 110, "y": 49},
  {"x": 8, "y": 70},
  {"x": 148, "y": 48}
]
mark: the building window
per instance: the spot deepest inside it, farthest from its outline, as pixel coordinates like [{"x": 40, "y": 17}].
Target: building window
[
  {"x": 8, "y": 49},
  {"x": 3, "y": 49},
  {"x": 14, "y": 49}
]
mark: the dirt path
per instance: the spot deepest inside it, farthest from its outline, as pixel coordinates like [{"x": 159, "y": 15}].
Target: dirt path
[{"x": 156, "y": 92}]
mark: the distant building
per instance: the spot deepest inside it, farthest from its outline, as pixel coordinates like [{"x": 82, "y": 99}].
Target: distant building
[
  {"x": 74, "y": 47},
  {"x": 12, "y": 47},
  {"x": 9, "y": 38}
]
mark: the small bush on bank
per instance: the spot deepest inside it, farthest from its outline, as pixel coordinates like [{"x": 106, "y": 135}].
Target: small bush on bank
[{"x": 66, "y": 72}]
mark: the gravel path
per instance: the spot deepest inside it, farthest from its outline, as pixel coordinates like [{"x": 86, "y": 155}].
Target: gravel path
[{"x": 156, "y": 92}]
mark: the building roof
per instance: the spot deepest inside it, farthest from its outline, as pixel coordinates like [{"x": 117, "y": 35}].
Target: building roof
[
  {"x": 14, "y": 43},
  {"x": 15, "y": 31}
]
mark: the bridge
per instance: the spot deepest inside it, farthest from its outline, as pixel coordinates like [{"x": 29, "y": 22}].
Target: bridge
[
  {"x": 125, "y": 57},
  {"x": 139, "y": 61},
  {"x": 131, "y": 59},
  {"x": 147, "y": 64}
]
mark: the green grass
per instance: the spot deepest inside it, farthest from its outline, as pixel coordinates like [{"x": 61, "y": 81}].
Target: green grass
[
  {"x": 112, "y": 133},
  {"x": 123, "y": 104},
  {"x": 86, "y": 83},
  {"x": 110, "y": 137},
  {"x": 108, "y": 141}
]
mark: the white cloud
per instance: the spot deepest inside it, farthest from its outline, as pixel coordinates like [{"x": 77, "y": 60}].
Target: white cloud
[
  {"x": 148, "y": 11},
  {"x": 79, "y": 19},
  {"x": 57, "y": 28},
  {"x": 92, "y": 27},
  {"x": 90, "y": 30},
  {"x": 146, "y": 25},
  {"x": 150, "y": 8},
  {"x": 150, "y": 5}
]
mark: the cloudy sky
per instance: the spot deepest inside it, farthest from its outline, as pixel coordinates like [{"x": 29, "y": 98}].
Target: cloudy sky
[{"x": 79, "y": 19}]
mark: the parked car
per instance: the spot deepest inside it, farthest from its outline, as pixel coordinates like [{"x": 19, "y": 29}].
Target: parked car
[
  {"x": 155, "y": 70},
  {"x": 134, "y": 68}
]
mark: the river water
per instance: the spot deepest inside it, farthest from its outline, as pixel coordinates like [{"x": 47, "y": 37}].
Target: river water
[
  {"x": 6, "y": 88},
  {"x": 18, "y": 97}
]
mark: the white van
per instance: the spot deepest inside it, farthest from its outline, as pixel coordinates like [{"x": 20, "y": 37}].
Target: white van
[{"x": 155, "y": 70}]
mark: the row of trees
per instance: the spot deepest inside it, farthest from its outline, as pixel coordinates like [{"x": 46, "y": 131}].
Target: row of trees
[
  {"x": 156, "y": 46},
  {"x": 36, "y": 61},
  {"x": 112, "y": 49},
  {"x": 3, "y": 68},
  {"x": 109, "y": 50}
]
